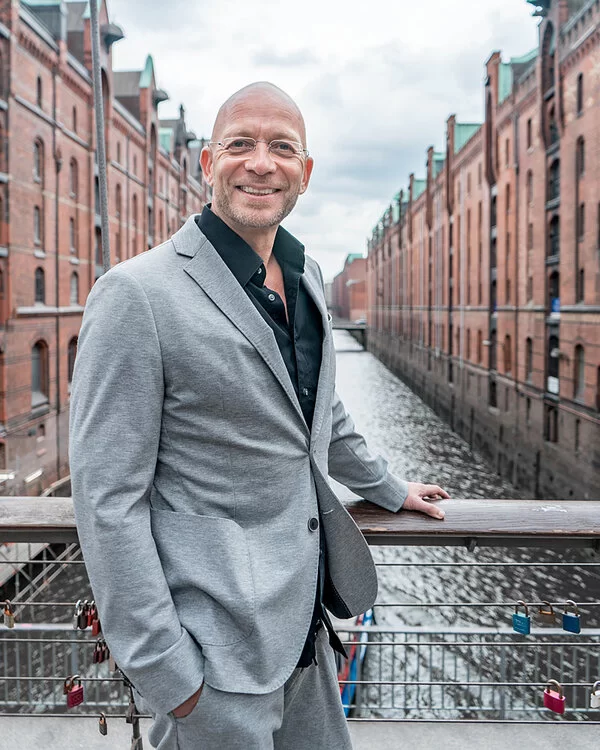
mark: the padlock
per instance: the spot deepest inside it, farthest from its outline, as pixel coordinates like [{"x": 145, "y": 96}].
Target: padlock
[
  {"x": 595, "y": 695},
  {"x": 96, "y": 629},
  {"x": 74, "y": 692},
  {"x": 77, "y": 613},
  {"x": 571, "y": 621},
  {"x": 82, "y": 619},
  {"x": 554, "y": 699},
  {"x": 130, "y": 712},
  {"x": 105, "y": 651},
  {"x": 521, "y": 620},
  {"x": 97, "y": 655},
  {"x": 102, "y": 725},
  {"x": 9, "y": 615},
  {"x": 547, "y": 614},
  {"x": 91, "y": 612}
]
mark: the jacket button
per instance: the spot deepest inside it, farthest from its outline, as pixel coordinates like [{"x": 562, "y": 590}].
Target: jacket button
[{"x": 313, "y": 524}]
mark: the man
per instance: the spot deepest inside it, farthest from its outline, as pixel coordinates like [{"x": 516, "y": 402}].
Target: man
[{"x": 204, "y": 424}]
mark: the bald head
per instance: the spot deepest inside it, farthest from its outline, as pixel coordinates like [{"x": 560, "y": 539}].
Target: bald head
[{"x": 263, "y": 96}]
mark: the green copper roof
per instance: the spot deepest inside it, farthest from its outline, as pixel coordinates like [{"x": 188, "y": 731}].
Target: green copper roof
[
  {"x": 165, "y": 136},
  {"x": 505, "y": 81},
  {"x": 438, "y": 162},
  {"x": 41, "y": 2},
  {"x": 418, "y": 188},
  {"x": 525, "y": 58},
  {"x": 463, "y": 132},
  {"x": 146, "y": 77},
  {"x": 352, "y": 257}
]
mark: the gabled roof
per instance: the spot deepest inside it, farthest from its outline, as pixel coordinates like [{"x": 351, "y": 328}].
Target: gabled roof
[{"x": 147, "y": 73}]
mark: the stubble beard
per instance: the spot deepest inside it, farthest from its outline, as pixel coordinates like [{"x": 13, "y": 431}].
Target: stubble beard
[{"x": 254, "y": 219}]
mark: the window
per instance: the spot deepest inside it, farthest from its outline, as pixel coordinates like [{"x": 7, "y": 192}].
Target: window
[
  {"x": 72, "y": 236},
  {"x": 530, "y": 288},
  {"x": 39, "y": 374},
  {"x": 74, "y": 288},
  {"x": 554, "y": 292},
  {"x": 39, "y": 92},
  {"x": 554, "y": 237},
  {"x": 580, "y": 157},
  {"x": 74, "y": 117},
  {"x": 530, "y": 236},
  {"x": 469, "y": 184},
  {"x": 118, "y": 152},
  {"x": 529, "y": 360},
  {"x": 580, "y": 292},
  {"x": 135, "y": 165},
  {"x": 554, "y": 181},
  {"x": 468, "y": 343},
  {"x": 551, "y": 424},
  {"x": 581, "y": 222},
  {"x": 479, "y": 347},
  {"x": 507, "y": 355},
  {"x": 530, "y": 187},
  {"x": 553, "y": 365},
  {"x": 40, "y": 286},
  {"x": 38, "y": 161},
  {"x": 134, "y": 221},
  {"x": 71, "y": 355},
  {"x": 37, "y": 225},
  {"x": 529, "y": 133},
  {"x": 507, "y": 152},
  {"x": 479, "y": 174},
  {"x": 73, "y": 178},
  {"x": 580, "y": 93},
  {"x": 579, "y": 374}
]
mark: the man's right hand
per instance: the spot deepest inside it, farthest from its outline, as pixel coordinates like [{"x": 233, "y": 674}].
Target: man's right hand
[{"x": 188, "y": 706}]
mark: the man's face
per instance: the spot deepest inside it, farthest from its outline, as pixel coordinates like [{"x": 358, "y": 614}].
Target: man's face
[{"x": 265, "y": 117}]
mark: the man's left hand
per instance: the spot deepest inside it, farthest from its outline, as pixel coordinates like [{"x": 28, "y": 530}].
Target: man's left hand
[{"x": 415, "y": 499}]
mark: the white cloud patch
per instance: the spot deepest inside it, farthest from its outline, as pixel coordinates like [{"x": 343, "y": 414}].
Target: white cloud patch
[{"x": 376, "y": 84}]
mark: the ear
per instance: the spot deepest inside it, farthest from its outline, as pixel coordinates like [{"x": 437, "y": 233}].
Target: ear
[
  {"x": 206, "y": 162},
  {"x": 308, "y": 168}
]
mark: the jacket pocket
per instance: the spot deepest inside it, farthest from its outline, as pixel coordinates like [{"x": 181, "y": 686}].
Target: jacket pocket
[{"x": 207, "y": 566}]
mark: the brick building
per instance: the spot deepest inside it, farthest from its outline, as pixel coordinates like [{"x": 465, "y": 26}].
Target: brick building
[
  {"x": 49, "y": 204},
  {"x": 349, "y": 289},
  {"x": 484, "y": 275}
]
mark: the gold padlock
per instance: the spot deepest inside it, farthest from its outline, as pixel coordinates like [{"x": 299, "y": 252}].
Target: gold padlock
[
  {"x": 547, "y": 613},
  {"x": 9, "y": 614}
]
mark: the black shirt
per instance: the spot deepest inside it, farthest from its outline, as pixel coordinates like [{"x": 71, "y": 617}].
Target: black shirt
[{"x": 299, "y": 338}]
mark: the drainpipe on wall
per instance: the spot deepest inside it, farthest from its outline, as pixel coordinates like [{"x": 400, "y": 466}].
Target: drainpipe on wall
[{"x": 58, "y": 166}]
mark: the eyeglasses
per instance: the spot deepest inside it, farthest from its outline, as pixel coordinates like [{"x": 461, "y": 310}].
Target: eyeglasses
[{"x": 242, "y": 146}]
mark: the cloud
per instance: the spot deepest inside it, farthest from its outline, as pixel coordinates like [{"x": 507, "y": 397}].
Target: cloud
[{"x": 271, "y": 58}]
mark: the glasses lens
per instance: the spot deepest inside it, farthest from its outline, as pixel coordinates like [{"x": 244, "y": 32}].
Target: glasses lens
[
  {"x": 284, "y": 149},
  {"x": 239, "y": 146}
]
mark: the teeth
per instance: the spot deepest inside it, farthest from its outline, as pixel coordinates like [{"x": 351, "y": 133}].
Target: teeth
[{"x": 254, "y": 191}]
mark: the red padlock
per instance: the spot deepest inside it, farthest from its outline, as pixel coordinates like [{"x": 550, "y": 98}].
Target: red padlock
[
  {"x": 96, "y": 629},
  {"x": 91, "y": 610},
  {"x": 74, "y": 692},
  {"x": 554, "y": 699}
]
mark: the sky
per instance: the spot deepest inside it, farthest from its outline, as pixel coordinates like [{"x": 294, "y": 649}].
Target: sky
[{"x": 375, "y": 80}]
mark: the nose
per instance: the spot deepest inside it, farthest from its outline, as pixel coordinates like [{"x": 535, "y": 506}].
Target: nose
[{"x": 260, "y": 160}]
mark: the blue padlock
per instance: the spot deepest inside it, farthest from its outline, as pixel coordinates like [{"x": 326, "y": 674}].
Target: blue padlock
[
  {"x": 521, "y": 620},
  {"x": 571, "y": 621}
]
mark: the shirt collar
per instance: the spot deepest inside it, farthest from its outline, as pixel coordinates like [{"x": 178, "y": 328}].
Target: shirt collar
[{"x": 237, "y": 254}]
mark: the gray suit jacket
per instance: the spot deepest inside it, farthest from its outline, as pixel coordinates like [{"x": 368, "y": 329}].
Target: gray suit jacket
[{"x": 195, "y": 476}]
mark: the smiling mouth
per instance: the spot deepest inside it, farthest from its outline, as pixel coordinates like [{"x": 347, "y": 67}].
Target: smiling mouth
[{"x": 257, "y": 191}]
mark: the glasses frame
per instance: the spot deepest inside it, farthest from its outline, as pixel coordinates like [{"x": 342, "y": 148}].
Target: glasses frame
[{"x": 301, "y": 150}]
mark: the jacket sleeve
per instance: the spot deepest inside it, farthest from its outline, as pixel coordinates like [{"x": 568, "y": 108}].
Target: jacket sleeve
[
  {"x": 352, "y": 464},
  {"x": 115, "y": 427}
]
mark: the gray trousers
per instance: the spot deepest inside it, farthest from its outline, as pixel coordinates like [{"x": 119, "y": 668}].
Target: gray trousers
[{"x": 304, "y": 714}]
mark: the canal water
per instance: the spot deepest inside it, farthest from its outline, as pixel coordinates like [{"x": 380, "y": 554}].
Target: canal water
[{"x": 420, "y": 447}]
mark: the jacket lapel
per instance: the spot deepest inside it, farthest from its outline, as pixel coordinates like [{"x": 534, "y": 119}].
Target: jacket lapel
[
  {"x": 323, "y": 399},
  {"x": 209, "y": 271}
]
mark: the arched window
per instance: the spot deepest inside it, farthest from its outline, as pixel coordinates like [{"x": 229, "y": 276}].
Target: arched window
[
  {"x": 74, "y": 288},
  {"x": 507, "y": 355},
  {"x": 529, "y": 360},
  {"x": 40, "y": 286},
  {"x": 39, "y": 374},
  {"x": 38, "y": 161},
  {"x": 580, "y": 157},
  {"x": 39, "y": 92},
  {"x": 37, "y": 225},
  {"x": 71, "y": 355},
  {"x": 579, "y": 374},
  {"x": 73, "y": 178},
  {"x": 580, "y": 93}
]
